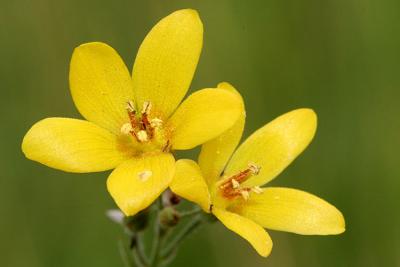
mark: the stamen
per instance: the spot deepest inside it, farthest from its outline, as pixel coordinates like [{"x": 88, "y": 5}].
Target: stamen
[
  {"x": 146, "y": 107},
  {"x": 235, "y": 184},
  {"x": 245, "y": 194},
  {"x": 255, "y": 170},
  {"x": 130, "y": 106},
  {"x": 257, "y": 189},
  {"x": 156, "y": 123},
  {"x": 231, "y": 187},
  {"x": 126, "y": 128},
  {"x": 142, "y": 136},
  {"x": 167, "y": 146},
  {"x": 141, "y": 125}
]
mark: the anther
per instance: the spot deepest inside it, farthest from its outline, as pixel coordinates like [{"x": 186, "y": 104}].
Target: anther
[
  {"x": 130, "y": 106},
  {"x": 156, "y": 123},
  {"x": 231, "y": 187},
  {"x": 257, "y": 189},
  {"x": 142, "y": 136},
  {"x": 245, "y": 194},
  {"x": 255, "y": 170},
  {"x": 146, "y": 107},
  {"x": 235, "y": 184},
  {"x": 126, "y": 128}
]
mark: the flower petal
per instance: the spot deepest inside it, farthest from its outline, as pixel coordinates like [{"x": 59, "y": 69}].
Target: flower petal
[
  {"x": 100, "y": 85},
  {"x": 189, "y": 183},
  {"x": 249, "y": 230},
  {"x": 203, "y": 116},
  {"x": 167, "y": 60},
  {"x": 292, "y": 210},
  {"x": 72, "y": 145},
  {"x": 274, "y": 146},
  {"x": 215, "y": 153},
  {"x": 136, "y": 183}
]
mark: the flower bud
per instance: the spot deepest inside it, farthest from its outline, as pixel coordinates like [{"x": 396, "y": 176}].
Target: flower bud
[
  {"x": 169, "y": 217},
  {"x": 169, "y": 198}
]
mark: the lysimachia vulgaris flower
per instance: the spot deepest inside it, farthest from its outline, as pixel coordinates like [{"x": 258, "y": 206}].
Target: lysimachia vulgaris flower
[
  {"x": 133, "y": 122},
  {"x": 227, "y": 183}
]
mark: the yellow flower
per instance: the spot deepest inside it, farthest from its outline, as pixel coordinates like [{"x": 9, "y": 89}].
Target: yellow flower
[
  {"x": 133, "y": 122},
  {"x": 227, "y": 182}
]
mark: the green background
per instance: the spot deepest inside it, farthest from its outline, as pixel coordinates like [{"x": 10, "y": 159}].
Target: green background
[{"x": 339, "y": 57}]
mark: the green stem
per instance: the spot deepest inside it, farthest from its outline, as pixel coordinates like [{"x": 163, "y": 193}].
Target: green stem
[
  {"x": 190, "y": 212},
  {"x": 156, "y": 244},
  {"x": 140, "y": 249},
  {"x": 188, "y": 229},
  {"x": 130, "y": 258},
  {"x": 162, "y": 253},
  {"x": 125, "y": 254},
  {"x": 169, "y": 258},
  {"x": 138, "y": 258},
  {"x": 158, "y": 238}
]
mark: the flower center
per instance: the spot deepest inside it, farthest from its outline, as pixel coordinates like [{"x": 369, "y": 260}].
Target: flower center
[
  {"x": 231, "y": 188},
  {"x": 145, "y": 129}
]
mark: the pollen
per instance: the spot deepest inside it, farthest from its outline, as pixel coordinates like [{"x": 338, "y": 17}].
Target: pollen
[
  {"x": 232, "y": 188},
  {"x": 144, "y": 175},
  {"x": 142, "y": 136},
  {"x": 156, "y": 123},
  {"x": 142, "y": 126},
  {"x": 257, "y": 189},
  {"x": 146, "y": 107},
  {"x": 126, "y": 128},
  {"x": 245, "y": 194},
  {"x": 235, "y": 184},
  {"x": 255, "y": 170},
  {"x": 130, "y": 106}
]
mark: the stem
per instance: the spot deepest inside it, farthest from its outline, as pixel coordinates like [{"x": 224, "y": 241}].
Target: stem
[
  {"x": 156, "y": 243},
  {"x": 130, "y": 258},
  {"x": 188, "y": 229},
  {"x": 190, "y": 212},
  {"x": 169, "y": 258},
  {"x": 138, "y": 258},
  {"x": 125, "y": 254},
  {"x": 159, "y": 234},
  {"x": 140, "y": 250},
  {"x": 162, "y": 252}
]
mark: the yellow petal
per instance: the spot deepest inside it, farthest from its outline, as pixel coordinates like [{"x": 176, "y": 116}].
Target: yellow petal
[
  {"x": 249, "y": 230},
  {"x": 189, "y": 183},
  {"x": 203, "y": 116},
  {"x": 274, "y": 146},
  {"x": 136, "y": 183},
  {"x": 292, "y": 210},
  {"x": 215, "y": 153},
  {"x": 72, "y": 145},
  {"x": 100, "y": 85},
  {"x": 166, "y": 61}
]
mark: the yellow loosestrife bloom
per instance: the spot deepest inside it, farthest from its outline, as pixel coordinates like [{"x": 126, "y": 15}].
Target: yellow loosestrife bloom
[
  {"x": 227, "y": 183},
  {"x": 133, "y": 121}
]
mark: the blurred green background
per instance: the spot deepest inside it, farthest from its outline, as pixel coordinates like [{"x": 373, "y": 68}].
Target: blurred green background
[{"x": 340, "y": 57}]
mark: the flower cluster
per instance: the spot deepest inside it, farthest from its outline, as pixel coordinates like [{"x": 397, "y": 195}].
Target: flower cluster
[{"x": 134, "y": 122}]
